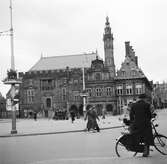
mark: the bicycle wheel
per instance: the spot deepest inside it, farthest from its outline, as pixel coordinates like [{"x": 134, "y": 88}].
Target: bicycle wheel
[
  {"x": 122, "y": 151},
  {"x": 160, "y": 143}
]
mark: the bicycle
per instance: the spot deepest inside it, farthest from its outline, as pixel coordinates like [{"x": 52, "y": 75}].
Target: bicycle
[{"x": 160, "y": 143}]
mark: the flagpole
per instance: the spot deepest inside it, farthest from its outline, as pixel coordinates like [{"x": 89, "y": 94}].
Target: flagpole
[
  {"x": 11, "y": 38},
  {"x": 13, "y": 131}
]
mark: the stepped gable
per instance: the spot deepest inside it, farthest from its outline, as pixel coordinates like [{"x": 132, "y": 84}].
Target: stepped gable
[
  {"x": 129, "y": 70},
  {"x": 61, "y": 62}
]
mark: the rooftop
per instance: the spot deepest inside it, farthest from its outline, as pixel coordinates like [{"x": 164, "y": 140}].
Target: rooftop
[{"x": 61, "y": 62}]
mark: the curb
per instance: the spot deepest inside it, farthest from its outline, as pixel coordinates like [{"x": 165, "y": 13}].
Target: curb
[{"x": 49, "y": 133}]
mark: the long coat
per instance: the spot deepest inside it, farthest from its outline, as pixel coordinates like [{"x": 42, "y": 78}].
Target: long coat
[
  {"x": 92, "y": 116},
  {"x": 140, "y": 116}
]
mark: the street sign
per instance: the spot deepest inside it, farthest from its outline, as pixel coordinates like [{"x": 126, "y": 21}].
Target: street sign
[
  {"x": 84, "y": 94},
  {"x": 8, "y": 105}
]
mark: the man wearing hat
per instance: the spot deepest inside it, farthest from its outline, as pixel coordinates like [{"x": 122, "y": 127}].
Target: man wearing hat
[{"x": 140, "y": 118}]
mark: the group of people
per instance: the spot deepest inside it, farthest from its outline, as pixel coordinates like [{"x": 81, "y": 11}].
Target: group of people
[{"x": 139, "y": 122}]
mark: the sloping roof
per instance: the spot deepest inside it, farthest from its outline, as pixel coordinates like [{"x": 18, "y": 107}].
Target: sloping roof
[
  {"x": 129, "y": 69},
  {"x": 61, "y": 62}
]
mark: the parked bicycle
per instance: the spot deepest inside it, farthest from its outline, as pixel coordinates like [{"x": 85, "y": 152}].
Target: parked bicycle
[{"x": 124, "y": 150}]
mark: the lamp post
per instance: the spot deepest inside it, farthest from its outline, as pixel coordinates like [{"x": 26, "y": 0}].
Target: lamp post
[
  {"x": 12, "y": 76},
  {"x": 84, "y": 96}
]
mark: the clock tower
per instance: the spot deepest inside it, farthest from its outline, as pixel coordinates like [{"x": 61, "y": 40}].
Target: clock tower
[{"x": 108, "y": 48}]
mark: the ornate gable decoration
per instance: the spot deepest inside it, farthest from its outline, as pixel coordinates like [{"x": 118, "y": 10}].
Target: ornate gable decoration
[
  {"x": 97, "y": 64},
  {"x": 129, "y": 70}
]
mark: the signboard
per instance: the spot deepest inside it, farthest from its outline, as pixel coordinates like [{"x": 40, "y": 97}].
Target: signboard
[
  {"x": 9, "y": 105},
  {"x": 84, "y": 94}
]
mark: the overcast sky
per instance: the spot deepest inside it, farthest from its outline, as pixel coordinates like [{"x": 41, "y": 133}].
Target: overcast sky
[{"x": 67, "y": 27}]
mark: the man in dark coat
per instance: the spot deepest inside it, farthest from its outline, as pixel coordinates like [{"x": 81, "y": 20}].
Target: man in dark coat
[
  {"x": 94, "y": 119},
  {"x": 91, "y": 115},
  {"x": 140, "y": 117},
  {"x": 72, "y": 113}
]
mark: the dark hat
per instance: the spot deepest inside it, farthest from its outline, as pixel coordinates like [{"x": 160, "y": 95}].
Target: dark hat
[{"x": 142, "y": 96}]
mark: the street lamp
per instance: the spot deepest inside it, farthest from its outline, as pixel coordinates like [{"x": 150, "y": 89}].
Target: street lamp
[{"x": 12, "y": 77}]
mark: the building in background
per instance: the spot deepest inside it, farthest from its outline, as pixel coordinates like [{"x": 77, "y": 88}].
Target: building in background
[
  {"x": 160, "y": 95},
  {"x": 130, "y": 79},
  {"x": 3, "y": 112},
  {"x": 56, "y": 83}
]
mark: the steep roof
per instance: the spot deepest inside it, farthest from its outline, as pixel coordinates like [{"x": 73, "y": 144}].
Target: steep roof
[
  {"x": 129, "y": 69},
  {"x": 61, "y": 62}
]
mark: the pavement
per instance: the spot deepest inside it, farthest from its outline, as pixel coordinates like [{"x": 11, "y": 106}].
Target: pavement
[
  {"x": 30, "y": 127},
  {"x": 106, "y": 160}
]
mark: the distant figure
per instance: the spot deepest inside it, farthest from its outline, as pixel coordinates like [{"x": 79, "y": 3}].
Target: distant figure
[
  {"x": 126, "y": 111},
  {"x": 91, "y": 115},
  {"x": 72, "y": 114},
  {"x": 103, "y": 113},
  {"x": 95, "y": 118},
  {"x": 35, "y": 116}
]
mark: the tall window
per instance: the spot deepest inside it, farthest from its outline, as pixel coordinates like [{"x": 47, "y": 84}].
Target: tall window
[
  {"x": 76, "y": 95},
  {"x": 98, "y": 92},
  {"x": 128, "y": 89},
  {"x": 30, "y": 96},
  {"x": 108, "y": 91},
  {"x": 138, "y": 89},
  {"x": 120, "y": 90}
]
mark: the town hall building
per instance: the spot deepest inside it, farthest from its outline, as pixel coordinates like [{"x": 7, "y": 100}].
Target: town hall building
[{"x": 57, "y": 83}]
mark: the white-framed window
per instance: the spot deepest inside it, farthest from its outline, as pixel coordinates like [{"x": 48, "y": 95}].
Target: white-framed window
[
  {"x": 119, "y": 89},
  {"x": 129, "y": 89},
  {"x": 98, "y": 92},
  {"x": 30, "y": 96},
  {"x": 76, "y": 96},
  {"x": 133, "y": 72},
  {"x": 138, "y": 89},
  {"x": 109, "y": 91}
]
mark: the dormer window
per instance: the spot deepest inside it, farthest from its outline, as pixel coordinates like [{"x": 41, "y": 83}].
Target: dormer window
[{"x": 133, "y": 72}]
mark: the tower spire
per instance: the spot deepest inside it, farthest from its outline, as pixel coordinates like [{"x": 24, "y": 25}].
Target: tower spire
[{"x": 108, "y": 48}]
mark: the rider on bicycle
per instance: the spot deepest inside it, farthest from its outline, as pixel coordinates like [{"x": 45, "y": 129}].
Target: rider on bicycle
[{"x": 140, "y": 123}]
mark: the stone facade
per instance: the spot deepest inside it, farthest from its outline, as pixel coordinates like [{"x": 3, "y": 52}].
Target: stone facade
[
  {"x": 47, "y": 87},
  {"x": 160, "y": 95}
]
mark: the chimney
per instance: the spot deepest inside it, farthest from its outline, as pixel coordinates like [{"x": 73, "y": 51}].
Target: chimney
[
  {"x": 136, "y": 60},
  {"x": 127, "y": 48}
]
